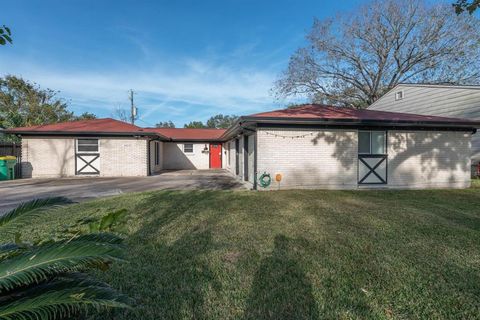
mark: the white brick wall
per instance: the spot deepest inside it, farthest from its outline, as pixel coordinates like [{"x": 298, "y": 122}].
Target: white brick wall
[
  {"x": 425, "y": 159},
  {"x": 318, "y": 159},
  {"x": 123, "y": 157},
  {"x": 175, "y": 159},
  {"x": 48, "y": 157},
  {"x": 44, "y": 157},
  {"x": 328, "y": 158}
]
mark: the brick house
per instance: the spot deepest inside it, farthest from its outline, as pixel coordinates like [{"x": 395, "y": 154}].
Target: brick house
[{"x": 310, "y": 146}]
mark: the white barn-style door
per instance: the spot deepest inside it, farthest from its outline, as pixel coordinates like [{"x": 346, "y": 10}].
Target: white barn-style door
[
  {"x": 87, "y": 157},
  {"x": 372, "y": 157}
]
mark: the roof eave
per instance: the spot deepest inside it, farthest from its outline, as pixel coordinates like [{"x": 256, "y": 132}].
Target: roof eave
[
  {"x": 81, "y": 133},
  {"x": 351, "y": 122}
]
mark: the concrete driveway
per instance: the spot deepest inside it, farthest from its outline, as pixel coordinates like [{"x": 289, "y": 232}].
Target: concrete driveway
[{"x": 79, "y": 189}]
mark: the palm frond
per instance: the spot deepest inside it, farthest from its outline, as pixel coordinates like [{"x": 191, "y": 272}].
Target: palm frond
[
  {"x": 53, "y": 258},
  {"x": 11, "y": 221},
  {"x": 9, "y": 249},
  {"x": 99, "y": 237},
  {"x": 63, "y": 297}
]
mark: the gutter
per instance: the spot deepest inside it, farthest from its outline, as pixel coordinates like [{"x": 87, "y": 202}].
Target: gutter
[{"x": 87, "y": 134}]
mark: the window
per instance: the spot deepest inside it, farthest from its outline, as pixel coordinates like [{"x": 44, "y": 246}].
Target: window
[
  {"x": 371, "y": 142},
  {"x": 188, "y": 148},
  {"x": 157, "y": 153},
  {"x": 399, "y": 95},
  {"x": 87, "y": 145}
]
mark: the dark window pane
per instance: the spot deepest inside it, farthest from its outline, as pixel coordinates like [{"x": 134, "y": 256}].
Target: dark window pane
[
  {"x": 87, "y": 148},
  {"x": 87, "y": 141},
  {"x": 364, "y": 142},
  {"x": 188, "y": 148}
]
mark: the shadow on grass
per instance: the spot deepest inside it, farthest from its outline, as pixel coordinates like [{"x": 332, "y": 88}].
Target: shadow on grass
[
  {"x": 281, "y": 289},
  {"x": 169, "y": 274}
]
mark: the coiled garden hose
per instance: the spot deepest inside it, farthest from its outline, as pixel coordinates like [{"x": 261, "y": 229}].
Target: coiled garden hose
[{"x": 265, "y": 179}]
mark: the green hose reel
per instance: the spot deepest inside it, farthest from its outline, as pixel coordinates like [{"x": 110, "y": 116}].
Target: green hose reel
[{"x": 265, "y": 180}]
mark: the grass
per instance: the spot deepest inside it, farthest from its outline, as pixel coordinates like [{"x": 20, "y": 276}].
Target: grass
[{"x": 293, "y": 254}]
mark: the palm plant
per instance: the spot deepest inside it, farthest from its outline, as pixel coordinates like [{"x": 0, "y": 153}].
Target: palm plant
[{"x": 49, "y": 279}]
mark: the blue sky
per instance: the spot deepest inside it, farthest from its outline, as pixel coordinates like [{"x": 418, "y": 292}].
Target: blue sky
[{"x": 187, "y": 60}]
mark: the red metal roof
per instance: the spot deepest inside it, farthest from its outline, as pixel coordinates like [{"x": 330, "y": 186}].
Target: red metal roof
[
  {"x": 106, "y": 125},
  {"x": 325, "y": 112},
  {"x": 188, "y": 133}
]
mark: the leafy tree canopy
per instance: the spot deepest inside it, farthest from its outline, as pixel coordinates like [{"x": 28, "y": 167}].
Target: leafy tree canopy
[
  {"x": 23, "y": 103},
  {"x": 221, "y": 121},
  {"x": 218, "y": 121},
  {"x": 5, "y": 35},
  {"x": 165, "y": 124},
  {"x": 195, "y": 124},
  {"x": 465, "y": 5}
]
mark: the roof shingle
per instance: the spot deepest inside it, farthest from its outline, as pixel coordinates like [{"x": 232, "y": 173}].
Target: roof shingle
[
  {"x": 105, "y": 125},
  {"x": 325, "y": 112}
]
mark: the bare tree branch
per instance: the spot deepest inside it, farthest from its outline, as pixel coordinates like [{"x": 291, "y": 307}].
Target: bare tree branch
[{"x": 357, "y": 57}]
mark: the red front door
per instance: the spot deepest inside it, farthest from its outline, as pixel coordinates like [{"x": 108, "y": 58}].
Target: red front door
[{"x": 215, "y": 156}]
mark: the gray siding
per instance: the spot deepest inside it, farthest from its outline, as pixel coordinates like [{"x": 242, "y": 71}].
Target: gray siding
[{"x": 444, "y": 101}]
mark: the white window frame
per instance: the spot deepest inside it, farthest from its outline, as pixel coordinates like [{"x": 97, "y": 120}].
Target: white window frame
[
  {"x": 401, "y": 93},
  {"x": 77, "y": 145},
  {"x": 184, "y": 148},
  {"x": 370, "y": 144}
]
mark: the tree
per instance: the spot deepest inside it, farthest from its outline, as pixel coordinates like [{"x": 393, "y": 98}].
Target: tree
[
  {"x": 52, "y": 279},
  {"x": 165, "y": 124},
  {"x": 221, "y": 121},
  {"x": 195, "y": 124},
  {"x": 354, "y": 59},
  {"x": 121, "y": 114},
  {"x": 86, "y": 116},
  {"x": 5, "y": 35},
  {"x": 464, "y": 5},
  {"x": 25, "y": 104}
]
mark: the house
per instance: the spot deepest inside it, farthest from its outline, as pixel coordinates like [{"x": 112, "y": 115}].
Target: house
[
  {"x": 112, "y": 148},
  {"x": 310, "y": 146},
  {"x": 435, "y": 100}
]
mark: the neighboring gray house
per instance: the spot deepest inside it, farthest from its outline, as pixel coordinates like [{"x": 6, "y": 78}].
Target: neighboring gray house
[{"x": 436, "y": 100}]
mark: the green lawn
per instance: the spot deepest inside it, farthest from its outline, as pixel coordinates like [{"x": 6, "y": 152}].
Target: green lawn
[{"x": 294, "y": 254}]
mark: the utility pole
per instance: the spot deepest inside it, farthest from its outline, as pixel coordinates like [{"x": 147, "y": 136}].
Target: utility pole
[{"x": 133, "y": 109}]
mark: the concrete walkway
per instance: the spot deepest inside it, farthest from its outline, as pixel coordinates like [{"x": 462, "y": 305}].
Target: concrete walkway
[{"x": 79, "y": 189}]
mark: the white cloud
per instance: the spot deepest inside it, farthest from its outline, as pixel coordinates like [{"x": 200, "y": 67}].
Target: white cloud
[{"x": 215, "y": 87}]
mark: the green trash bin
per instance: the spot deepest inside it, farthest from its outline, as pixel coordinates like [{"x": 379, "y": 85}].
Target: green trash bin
[{"x": 7, "y": 167}]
